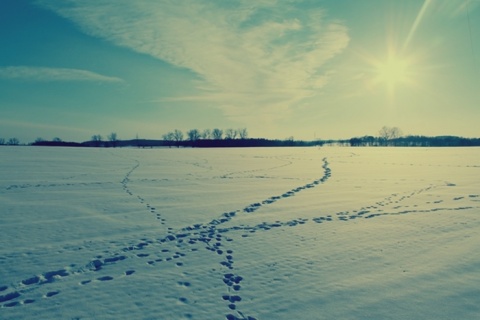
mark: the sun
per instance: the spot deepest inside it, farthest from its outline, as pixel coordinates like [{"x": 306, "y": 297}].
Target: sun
[
  {"x": 399, "y": 70},
  {"x": 393, "y": 71}
]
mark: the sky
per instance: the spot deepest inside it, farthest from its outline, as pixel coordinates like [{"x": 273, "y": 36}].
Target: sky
[{"x": 308, "y": 69}]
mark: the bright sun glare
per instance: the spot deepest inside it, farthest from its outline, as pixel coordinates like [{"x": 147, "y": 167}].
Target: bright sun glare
[
  {"x": 397, "y": 69},
  {"x": 393, "y": 71}
]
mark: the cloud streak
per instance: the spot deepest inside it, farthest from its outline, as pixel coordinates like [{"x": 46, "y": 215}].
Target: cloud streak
[
  {"x": 43, "y": 74},
  {"x": 249, "y": 56},
  {"x": 454, "y": 8}
]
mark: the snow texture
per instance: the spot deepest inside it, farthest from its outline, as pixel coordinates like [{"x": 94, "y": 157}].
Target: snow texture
[{"x": 279, "y": 233}]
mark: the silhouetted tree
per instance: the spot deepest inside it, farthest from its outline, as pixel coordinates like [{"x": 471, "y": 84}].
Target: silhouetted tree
[
  {"x": 230, "y": 134},
  {"x": 97, "y": 140},
  {"x": 207, "y": 134},
  {"x": 387, "y": 134},
  {"x": 217, "y": 134},
  {"x": 355, "y": 142},
  {"x": 2, "y": 141},
  {"x": 178, "y": 137},
  {"x": 193, "y": 135},
  {"x": 368, "y": 140},
  {"x": 168, "y": 138},
  {"x": 363, "y": 141},
  {"x": 13, "y": 142},
  {"x": 243, "y": 133},
  {"x": 112, "y": 137},
  {"x": 57, "y": 139}
]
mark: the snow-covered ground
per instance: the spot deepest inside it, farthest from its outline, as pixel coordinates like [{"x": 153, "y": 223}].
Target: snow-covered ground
[{"x": 279, "y": 233}]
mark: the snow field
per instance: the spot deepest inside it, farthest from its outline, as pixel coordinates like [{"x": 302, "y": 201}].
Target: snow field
[{"x": 308, "y": 233}]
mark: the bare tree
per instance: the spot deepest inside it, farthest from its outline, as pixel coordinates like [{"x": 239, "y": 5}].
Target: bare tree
[
  {"x": 168, "y": 138},
  {"x": 207, "y": 134},
  {"x": 230, "y": 134},
  {"x": 387, "y": 134},
  {"x": 97, "y": 140},
  {"x": 2, "y": 141},
  {"x": 57, "y": 139},
  {"x": 217, "y": 134},
  {"x": 13, "y": 142},
  {"x": 112, "y": 137},
  {"x": 193, "y": 135},
  {"x": 178, "y": 136},
  {"x": 396, "y": 133},
  {"x": 243, "y": 133}
]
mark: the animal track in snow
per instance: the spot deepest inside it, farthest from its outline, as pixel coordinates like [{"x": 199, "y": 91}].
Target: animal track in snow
[
  {"x": 231, "y": 174},
  {"x": 210, "y": 235},
  {"x": 125, "y": 184},
  {"x": 54, "y": 185},
  {"x": 175, "y": 246},
  {"x": 374, "y": 210},
  {"x": 327, "y": 173}
]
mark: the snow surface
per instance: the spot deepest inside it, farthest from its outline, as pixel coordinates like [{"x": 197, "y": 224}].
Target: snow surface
[{"x": 278, "y": 233}]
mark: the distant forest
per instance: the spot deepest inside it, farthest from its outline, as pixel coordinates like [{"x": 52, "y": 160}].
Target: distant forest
[{"x": 230, "y": 138}]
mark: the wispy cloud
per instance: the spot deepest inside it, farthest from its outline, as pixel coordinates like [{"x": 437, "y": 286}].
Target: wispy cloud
[
  {"x": 52, "y": 74},
  {"x": 251, "y": 56},
  {"x": 36, "y": 125},
  {"x": 454, "y": 8}
]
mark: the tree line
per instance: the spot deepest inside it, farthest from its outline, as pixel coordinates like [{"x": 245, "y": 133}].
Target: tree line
[
  {"x": 211, "y": 138},
  {"x": 393, "y": 137},
  {"x": 9, "y": 142},
  {"x": 208, "y": 138},
  {"x": 176, "y": 137},
  {"x": 207, "y": 134},
  {"x": 415, "y": 141}
]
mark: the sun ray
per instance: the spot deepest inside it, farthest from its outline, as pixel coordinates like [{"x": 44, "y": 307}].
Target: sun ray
[
  {"x": 416, "y": 23},
  {"x": 399, "y": 67}
]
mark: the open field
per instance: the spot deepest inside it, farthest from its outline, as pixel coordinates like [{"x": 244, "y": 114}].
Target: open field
[{"x": 257, "y": 233}]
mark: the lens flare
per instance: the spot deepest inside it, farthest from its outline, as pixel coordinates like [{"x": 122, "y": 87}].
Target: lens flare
[
  {"x": 400, "y": 66},
  {"x": 393, "y": 71}
]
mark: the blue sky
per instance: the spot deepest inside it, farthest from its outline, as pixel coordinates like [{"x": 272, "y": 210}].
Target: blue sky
[{"x": 280, "y": 68}]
